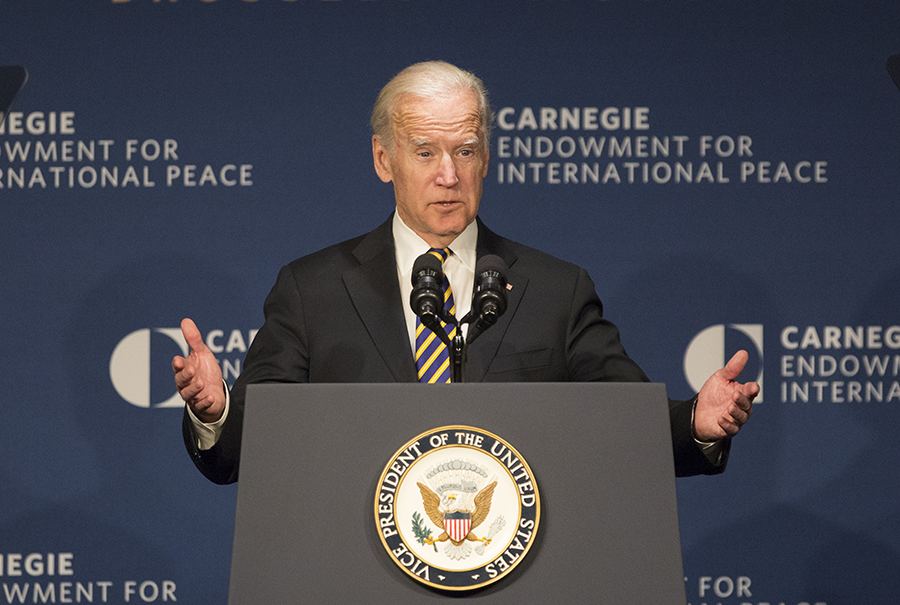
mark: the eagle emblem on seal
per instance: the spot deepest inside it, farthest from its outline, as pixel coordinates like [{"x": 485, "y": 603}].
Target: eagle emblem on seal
[{"x": 457, "y": 504}]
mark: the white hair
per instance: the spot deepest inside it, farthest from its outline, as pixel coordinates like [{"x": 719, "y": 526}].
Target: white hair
[{"x": 430, "y": 80}]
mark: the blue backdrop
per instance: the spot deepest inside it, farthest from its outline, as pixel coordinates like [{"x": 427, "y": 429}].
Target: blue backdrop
[{"x": 727, "y": 173}]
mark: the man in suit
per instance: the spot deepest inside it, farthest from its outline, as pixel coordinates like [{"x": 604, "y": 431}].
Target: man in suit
[{"x": 339, "y": 315}]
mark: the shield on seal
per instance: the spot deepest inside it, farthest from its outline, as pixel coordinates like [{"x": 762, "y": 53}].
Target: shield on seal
[{"x": 457, "y": 525}]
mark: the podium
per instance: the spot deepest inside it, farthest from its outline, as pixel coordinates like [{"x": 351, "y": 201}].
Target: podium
[{"x": 312, "y": 455}]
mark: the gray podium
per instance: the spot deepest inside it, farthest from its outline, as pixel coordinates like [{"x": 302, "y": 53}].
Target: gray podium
[{"x": 312, "y": 455}]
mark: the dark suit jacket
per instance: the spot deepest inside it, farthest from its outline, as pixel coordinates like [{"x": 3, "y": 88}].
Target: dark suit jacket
[{"x": 336, "y": 316}]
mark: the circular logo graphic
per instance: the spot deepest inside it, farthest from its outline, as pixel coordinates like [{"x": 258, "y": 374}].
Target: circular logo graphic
[
  {"x": 457, "y": 508},
  {"x": 129, "y": 368}
]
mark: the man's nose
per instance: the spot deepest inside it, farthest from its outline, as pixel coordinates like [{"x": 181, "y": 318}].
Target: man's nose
[{"x": 447, "y": 176}]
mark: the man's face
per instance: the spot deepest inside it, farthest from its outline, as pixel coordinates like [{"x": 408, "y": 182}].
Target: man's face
[{"x": 437, "y": 167}]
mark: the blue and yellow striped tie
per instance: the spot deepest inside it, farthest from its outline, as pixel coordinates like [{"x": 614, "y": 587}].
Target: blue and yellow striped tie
[{"x": 432, "y": 356}]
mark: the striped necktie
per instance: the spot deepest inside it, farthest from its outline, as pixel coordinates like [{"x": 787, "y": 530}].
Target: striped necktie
[{"x": 432, "y": 356}]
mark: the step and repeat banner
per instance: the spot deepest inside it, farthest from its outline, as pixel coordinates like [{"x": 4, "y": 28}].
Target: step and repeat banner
[{"x": 727, "y": 172}]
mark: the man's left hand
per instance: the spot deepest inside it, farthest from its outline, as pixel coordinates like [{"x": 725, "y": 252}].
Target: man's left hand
[{"x": 724, "y": 405}]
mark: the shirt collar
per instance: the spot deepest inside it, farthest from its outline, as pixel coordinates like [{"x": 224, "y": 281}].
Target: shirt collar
[{"x": 409, "y": 246}]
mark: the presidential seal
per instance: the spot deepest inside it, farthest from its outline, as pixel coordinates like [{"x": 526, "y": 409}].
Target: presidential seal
[{"x": 457, "y": 508}]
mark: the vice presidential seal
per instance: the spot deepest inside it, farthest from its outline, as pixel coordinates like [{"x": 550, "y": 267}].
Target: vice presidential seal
[{"x": 457, "y": 508}]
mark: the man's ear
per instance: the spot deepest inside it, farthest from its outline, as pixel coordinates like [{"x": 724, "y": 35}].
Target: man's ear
[{"x": 382, "y": 160}]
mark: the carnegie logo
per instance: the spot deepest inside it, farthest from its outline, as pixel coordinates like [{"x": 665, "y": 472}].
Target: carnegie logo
[
  {"x": 457, "y": 508},
  {"x": 814, "y": 364},
  {"x": 140, "y": 366},
  {"x": 712, "y": 347}
]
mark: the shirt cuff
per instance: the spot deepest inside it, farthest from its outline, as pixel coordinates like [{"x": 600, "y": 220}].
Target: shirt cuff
[
  {"x": 207, "y": 433},
  {"x": 713, "y": 450}
]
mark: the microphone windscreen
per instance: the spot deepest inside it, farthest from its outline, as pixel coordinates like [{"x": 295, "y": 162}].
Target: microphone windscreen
[
  {"x": 427, "y": 262},
  {"x": 490, "y": 262}
]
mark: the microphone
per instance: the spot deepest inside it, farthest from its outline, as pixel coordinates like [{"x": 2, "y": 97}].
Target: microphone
[
  {"x": 427, "y": 296},
  {"x": 490, "y": 298}
]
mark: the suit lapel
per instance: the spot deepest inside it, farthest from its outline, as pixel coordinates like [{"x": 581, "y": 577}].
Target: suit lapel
[
  {"x": 372, "y": 286},
  {"x": 482, "y": 352}
]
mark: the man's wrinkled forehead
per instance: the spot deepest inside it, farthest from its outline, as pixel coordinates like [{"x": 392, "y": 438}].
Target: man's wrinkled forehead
[{"x": 416, "y": 119}]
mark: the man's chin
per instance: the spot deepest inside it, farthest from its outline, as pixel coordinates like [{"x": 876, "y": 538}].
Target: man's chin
[
  {"x": 446, "y": 232},
  {"x": 452, "y": 227}
]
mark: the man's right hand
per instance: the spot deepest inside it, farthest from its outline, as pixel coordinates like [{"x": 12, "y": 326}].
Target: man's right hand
[{"x": 198, "y": 377}]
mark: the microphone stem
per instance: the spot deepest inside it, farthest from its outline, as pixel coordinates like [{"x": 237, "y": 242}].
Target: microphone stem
[{"x": 457, "y": 357}]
